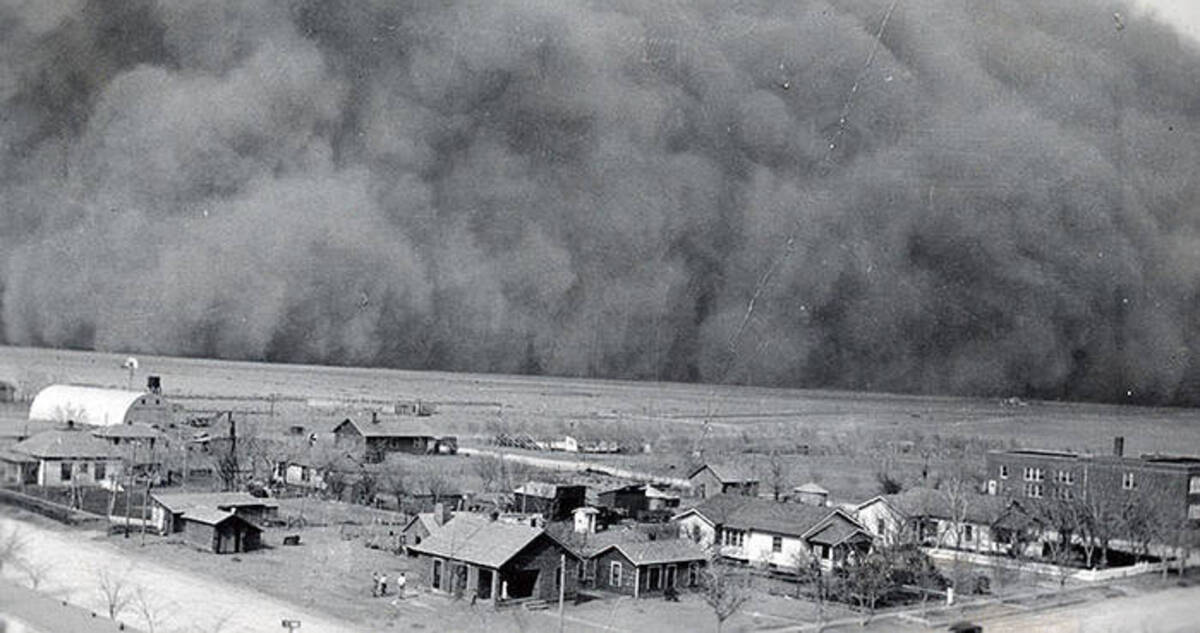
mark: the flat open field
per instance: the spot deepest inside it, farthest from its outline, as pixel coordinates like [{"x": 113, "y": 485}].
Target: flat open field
[{"x": 475, "y": 402}]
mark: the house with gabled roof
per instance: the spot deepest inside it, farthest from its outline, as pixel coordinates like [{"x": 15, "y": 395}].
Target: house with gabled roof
[
  {"x": 66, "y": 457},
  {"x": 709, "y": 480},
  {"x": 375, "y": 438},
  {"x": 772, "y": 534},
  {"x": 969, "y": 521},
  {"x": 642, "y": 568},
  {"x": 473, "y": 556}
]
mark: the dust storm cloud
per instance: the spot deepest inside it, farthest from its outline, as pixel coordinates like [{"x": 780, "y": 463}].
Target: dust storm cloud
[{"x": 601, "y": 189}]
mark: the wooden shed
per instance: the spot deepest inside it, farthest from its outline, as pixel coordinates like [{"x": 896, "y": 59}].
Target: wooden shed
[{"x": 220, "y": 532}]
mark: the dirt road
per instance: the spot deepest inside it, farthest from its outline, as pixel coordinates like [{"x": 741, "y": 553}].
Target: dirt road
[
  {"x": 181, "y": 602},
  {"x": 1170, "y": 611}
]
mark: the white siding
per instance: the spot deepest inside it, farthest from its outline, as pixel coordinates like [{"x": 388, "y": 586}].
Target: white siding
[
  {"x": 692, "y": 525},
  {"x": 83, "y": 472}
]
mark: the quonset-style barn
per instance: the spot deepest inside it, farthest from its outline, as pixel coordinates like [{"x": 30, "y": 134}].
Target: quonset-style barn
[{"x": 98, "y": 406}]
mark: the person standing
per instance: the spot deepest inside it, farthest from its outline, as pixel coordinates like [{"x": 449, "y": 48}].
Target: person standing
[
  {"x": 383, "y": 584},
  {"x": 401, "y": 582},
  {"x": 374, "y": 584}
]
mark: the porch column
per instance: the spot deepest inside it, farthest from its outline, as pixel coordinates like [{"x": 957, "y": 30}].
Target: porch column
[
  {"x": 637, "y": 581},
  {"x": 495, "y": 586}
]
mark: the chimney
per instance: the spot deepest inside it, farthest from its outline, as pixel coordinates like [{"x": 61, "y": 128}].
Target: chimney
[
  {"x": 1119, "y": 446},
  {"x": 154, "y": 384},
  {"x": 441, "y": 513}
]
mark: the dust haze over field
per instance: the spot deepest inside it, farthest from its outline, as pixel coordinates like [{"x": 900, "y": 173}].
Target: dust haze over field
[{"x": 600, "y": 189}]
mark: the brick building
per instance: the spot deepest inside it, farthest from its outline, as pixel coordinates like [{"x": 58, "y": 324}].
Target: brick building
[{"x": 1169, "y": 485}]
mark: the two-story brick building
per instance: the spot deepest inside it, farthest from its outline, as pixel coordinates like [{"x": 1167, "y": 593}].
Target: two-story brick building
[{"x": 1168, "y": 485}]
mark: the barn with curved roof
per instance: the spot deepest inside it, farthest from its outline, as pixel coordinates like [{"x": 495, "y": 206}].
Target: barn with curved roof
[{"x": 99, "y": 406}]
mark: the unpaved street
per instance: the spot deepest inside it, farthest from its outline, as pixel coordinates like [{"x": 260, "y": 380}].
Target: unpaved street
[
  {"x": 1174, "y": 610},
  {"x": 181, "y": 602}
]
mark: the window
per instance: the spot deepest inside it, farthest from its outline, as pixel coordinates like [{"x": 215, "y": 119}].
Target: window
[
  {"x": 1038, "y": 475},
  {"x": 1004, "y": 471},
  {"x": 1127, "y": 481},
  {"x": 65, "y": 471},
  {"x": 880, "y": 527},
  {"x": 1194, "y": 511},
  {"x": 1033, "y": 474},
  {"x": 776, "y": 544},
  {"x": 968, "y": 532},
  {"x": 1194, "y": 485},
  {"x": 1064, "y": 494},
  {"x": 1028, "y": 474},
  {"x": 614, "y": 574},
  {"x": 693, "y": 574},
  {"x": 437, "y": 574},
  {"x": 1066, "y": 477},
  {"x": 83, "y": 468},
  {"x": 732, "y": 538},
  {"x": 101, "y": 471},
  {"x": 1033, "y": 491}
]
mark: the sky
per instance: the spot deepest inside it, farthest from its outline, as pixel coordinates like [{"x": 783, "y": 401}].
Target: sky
[
  {"x": 934, "y": 196},
  {"x": 1183, "y": 14}
]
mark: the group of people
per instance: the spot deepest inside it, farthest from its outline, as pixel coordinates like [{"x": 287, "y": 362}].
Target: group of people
[{"x": 380, "y": 584}]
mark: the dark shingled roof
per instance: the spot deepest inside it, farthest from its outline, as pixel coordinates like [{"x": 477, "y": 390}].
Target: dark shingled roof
[
  {"x": 658, "y": 552},
  {"x": 977, "y": 508},
  {"x": 129, "y": 431},
  {"x": 475, "y": 539},
  {"x": 188, "y": 501},
  {"x": 728, "y": 473},
  {"x": 835, "y": 533},
  {"x": 64, "y": 444},
  {"x": 392, "y": 427},
  {"x": 765, "y": 515}
]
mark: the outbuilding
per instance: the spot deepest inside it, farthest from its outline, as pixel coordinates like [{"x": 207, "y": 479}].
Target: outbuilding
[
  {"x": 169, "y": 510},
  {"x": 99, "y": 406},
  {"x": 220, "y": 532}
]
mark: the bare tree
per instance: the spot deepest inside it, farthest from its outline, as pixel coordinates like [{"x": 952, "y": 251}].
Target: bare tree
[
  {"x": 726, "y": 589},
  {"x": 116, "y": 592},
  {"x": 12, "y": 547},
  {"x": 395, "y": 481},
  {"x": 438, "y": 485},
  {"x": 152, "y": 611},
  {"x": 777, "y": 473},
  {"x": 869, "y": 578},
  {"x": 809, "y": 572},
  {"x": 489, "y": 469},
  {"x": 35, "y": 571},
  {"x": 1059, "y": 520},
  {"x": 957, "y": 495}
]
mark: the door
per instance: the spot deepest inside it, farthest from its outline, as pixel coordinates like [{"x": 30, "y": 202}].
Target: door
[
  {"x": 655, "y": 578},
  {"x": 522, "y": 583},
  {"x": 671, "y": 576},
  {"x": 484, "y": 590}
]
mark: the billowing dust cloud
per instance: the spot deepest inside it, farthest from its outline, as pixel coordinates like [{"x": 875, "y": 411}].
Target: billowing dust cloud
[{"x": 603, "y": 188}]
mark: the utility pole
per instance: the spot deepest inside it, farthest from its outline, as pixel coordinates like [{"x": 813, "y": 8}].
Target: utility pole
[
  {"x": 562, "y": 589},
  {"x": 129, "y": 486}
]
